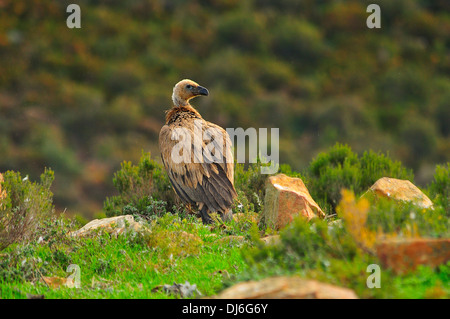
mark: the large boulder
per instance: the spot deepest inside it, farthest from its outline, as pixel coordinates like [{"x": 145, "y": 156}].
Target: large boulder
[
  {"x": 401, "y": 190},
  {"x": 404, "y": 254},
  {"x": 286, "y": 288},
  {"x": 114, "y": 225},
  {"x": 287, "y": 197}
]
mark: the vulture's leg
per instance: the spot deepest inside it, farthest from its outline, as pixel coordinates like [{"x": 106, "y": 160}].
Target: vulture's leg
[{"x": 206, "y": 219}]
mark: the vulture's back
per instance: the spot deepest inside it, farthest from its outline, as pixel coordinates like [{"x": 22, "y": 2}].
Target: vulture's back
[{"x": 199, "y": 161}]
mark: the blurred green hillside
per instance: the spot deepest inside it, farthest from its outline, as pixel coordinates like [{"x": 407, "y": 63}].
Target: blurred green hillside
[{"x": 83, "y": 100}]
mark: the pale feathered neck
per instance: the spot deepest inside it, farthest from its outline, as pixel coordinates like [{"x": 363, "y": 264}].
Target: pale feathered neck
[{"x": 178, "y": 102}]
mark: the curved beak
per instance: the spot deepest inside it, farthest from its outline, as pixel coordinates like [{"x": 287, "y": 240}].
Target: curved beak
[{"x": 200, "y": 90}]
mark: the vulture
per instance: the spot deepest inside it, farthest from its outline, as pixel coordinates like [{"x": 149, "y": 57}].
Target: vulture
[{"x": 202, "y": 174}]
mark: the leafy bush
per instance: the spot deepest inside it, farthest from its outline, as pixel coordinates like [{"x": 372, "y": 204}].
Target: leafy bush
[
  {"x": 250, "y": 186},
  {"x": 298, "y": 40},
  {"x": 306, "y": 249},
  {"x": 340, "y": 168},
  {"x": 24, "y": 205},
  {"x": 419, "y": 136},
  {"x": 242, "y": 30},
  {"x": 407, "y": 219},
  {"x": 439, "y": 188},
  {"x": 144, "y": 189},
  {"x": 50, "y": 254}
]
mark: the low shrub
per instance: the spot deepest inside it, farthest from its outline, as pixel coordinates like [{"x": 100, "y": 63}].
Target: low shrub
[
  {"x": 340, "y": 168},
  {"x": 24, "y": 206},
  {"x": 250, "y": 186},
  {"x": 439, "y": 189},
  {"x": 144, "y": 189},
  {"x": 49, "y": 254},
  {"x": 305, "y": 249}
]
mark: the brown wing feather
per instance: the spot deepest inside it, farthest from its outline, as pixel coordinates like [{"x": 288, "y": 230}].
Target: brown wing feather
[{"x": 207, "y": 182}]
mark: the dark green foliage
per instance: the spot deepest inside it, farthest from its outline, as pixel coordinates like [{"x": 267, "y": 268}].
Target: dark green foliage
[
  {"x": 20, "y": 265},
  {"x": 287, "y": 170},
  {"x": 146, "y": 207},
  {"x": 419, "y": 135},
  {"x": 305, "y": 246},
  {"x": 341, "y": 168},
  {"x": 250, "y": 186},
  {"x": 242, "y": 31},
  {"x": 144, "y": 189},
  {"x": 298, "y": 40},
  {"x": 24, "y": 206},
  {"x": 374, "y": 165},
  {"x": 439, "y": 188}
]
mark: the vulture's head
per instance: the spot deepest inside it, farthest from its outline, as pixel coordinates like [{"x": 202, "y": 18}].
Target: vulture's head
[{"x": 185, "y": 90}]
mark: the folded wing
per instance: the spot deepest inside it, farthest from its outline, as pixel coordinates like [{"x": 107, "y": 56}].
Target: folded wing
[{"x": 206, "y": 176}]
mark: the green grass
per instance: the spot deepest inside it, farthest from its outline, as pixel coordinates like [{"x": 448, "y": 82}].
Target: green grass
[
  {"x": 125, "y": 267},
  {"x": 133, "y": 266}
]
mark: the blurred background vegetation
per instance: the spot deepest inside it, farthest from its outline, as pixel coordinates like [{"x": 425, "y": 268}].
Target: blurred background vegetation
[{"x": 81, "y": 101}]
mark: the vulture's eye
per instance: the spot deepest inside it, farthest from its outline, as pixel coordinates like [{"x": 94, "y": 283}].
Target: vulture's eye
[{"x": 188, "y": 86}]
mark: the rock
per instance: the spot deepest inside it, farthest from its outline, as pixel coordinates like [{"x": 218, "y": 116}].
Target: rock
[
  {"x": 285, "y": 198},
  {"x": 403, "y": 254},
  {"x": 402, "y": 190},
  {"x": 286, "y": 288},
  {"x": 185, "y": 290},
  {"x": 114, "y": 225}
]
